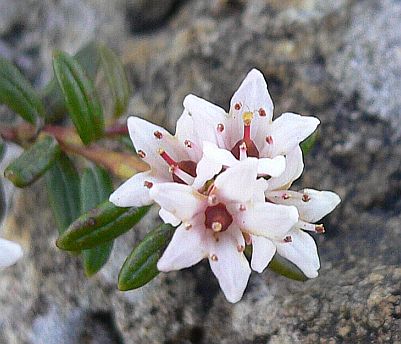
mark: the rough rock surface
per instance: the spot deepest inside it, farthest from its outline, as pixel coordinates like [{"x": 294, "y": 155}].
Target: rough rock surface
[{"x": 338, "y": 60}]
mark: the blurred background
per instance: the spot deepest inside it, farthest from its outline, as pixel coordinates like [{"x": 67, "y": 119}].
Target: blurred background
[{"x": 337, "y": 60}]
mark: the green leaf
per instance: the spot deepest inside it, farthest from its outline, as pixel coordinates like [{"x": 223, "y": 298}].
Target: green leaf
[
  {"x": 89, "y": 59},
  {"x": 62, "y": 183},
  {"x": 140, "y": 267},
  {"x": 96, "y": 186},
  {"x": 2, "y": 148},
  {"x": 284, "y": 267},
  {"x": 116, "y": 78},
  {"x": 2, "y": 202},
  {"x": 17, "y": 93},
  {"x": 104, "y": 223},
  {"x": 82, "y": 102},
  {"x": 34, "y": 162},
  {"x": 309, "y": 143}
]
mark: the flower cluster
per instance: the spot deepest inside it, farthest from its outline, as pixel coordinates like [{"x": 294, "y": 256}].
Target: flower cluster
[
  {"x": 10, "y": 252},
  {"x": 223, "y": 179}
]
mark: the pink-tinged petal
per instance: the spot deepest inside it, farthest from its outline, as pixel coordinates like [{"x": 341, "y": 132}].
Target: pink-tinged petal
[
  {"x": 229, "y": 264},
  {"x": 167, "y": 217},
  {"x": 238, "y": 183},
  {"x": 205, "y": 170},
  {"x": 302, "y": 251},
  {"x": 149, "y": 138},
  {"x": 218, "y": 155},
  {"x": 180, "y": 200},
  {"x": 270, "y": 220},
  {"x": 263, "y": 251},
  {"x": 186, "y": 248},
  {"x": 251, "y": 96},
  {"x": 207, "y": 119},
  {"x": 312, "y": 205},
  {"x": 10, "y": 252},
  {"x": 135, "y": 191},
  {"x": 293, "y": 170},
  {"x": 271, "y": 167},
  {"x": 286, "y": 132}
]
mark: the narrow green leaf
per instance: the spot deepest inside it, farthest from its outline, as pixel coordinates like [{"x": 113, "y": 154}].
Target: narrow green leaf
[
  {"x": 284, "y": 267},
  {"x": 62, "y": 183},
  {"x": 34, "y": 162},
  {"x": 116, "y": 79},
  {"x": 89, "y": 59},
  {"x": 2, "y": 201},
  {"x": 309, "y": 143},
  {"x": 82, "y": 102},
  {"x": 104, "y": 223},
  {"x": 96, "y": 186},
  {"x": 140, "y": 267},
  {"x": 2, "y": 148},
  {"x": 17, "y": 93}
]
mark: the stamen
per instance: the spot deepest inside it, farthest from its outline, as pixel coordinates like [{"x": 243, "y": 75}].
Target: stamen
[
  {"x": 214, "y": 258},
  {"x": 167, "y": 158},
  {"x": 216, "y": 237},
  {"x": 187, "y": 226},
  {"x": 306, "y": 198},
  {"x": 247, "y": 237},
  {"x": 217, "y": 227},
  {"x": 237, "y": 106},
  {"x": 320, "y": 229},
  {"x": 240, "y": 248},
  {"x": 242, "y": 207},
  {"x": 212, "y": 200},
  {"x": 147, "y": 184},
  {"x": 220, "y": 127},
  {"x": 188, "y": 144},
  {"x": 310, "y": 227},
  {"x": 158, "y": 134},
  {"x": 286, "y": 196},
  {"x": 288, "y": 239},
  {"x": 141, "y": 154},
  {"x": 262, "y": 112},
  {"x": 269, "y": 139}
]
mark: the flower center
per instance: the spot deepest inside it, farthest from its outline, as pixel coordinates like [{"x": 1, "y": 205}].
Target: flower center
[
  {"x": 217, "y": 218},
  {"x": 182, "y": 172},
  {"x": 246, "y": 147}
]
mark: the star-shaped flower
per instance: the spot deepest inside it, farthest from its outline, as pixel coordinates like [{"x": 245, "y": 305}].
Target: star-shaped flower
[
  {"x": 10, "y": 252},
  {"x": 215, "y": 222}
]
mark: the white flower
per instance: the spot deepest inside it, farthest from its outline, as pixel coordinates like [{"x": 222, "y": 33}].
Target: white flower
[
  {"x": 248, "y": 130},
  {"x": 215, "y": 222},
  {"x": 10, "y": 252}
]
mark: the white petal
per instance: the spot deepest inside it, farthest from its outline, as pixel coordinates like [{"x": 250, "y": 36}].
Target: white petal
[
  {"x": 293, "y": 170},
  {"x": 312, "y": 205},
  {"x": 185, "y": 131},
  {"x": 238, "y": 183},
  {"x": 180, "y": 200},
  {"x": 272, "y": 167},
  {"x": 302, "y": 251},
  {"x": 186, "y": 248},
  {"x": 167, "y": 217},
  {"x": 206, "y": 117},
  {"x": 231, "y": 267},
  {"x": 267, "y": 219},
  {"x": 10, "y": 252},
  {"x": 205, "y": 170},
  {"x": 263, "y": 251},
  {"x": 218, "y": 155},
  {"x": 287, "y": 132},
  {"x": 134, "y": 192},
  {"x": 145, "y": 138},
  {"x": 252, "y": 95}
]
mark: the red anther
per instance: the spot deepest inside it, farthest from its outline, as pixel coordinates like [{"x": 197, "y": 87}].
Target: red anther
[
  {"x": 147, "y": 184},
  {"x": 220, "y": 127},
  {"x": 288, "y": 239},
  {"x": 158, "y": 134},
  {"x": 285, "y": 196},
  {"x": 237, "y": 106},
  {"x": 242, "y": 207},
  {"x": 214, "y": 258},
  {"x": 240, "y": 248},
  {"x": 262, "y": 112},
  {"x": 269, "y": 139},
  {"x": 141, "y": 154},
  {"x": 188, "y": 144},
  {"x": 305, "y": 198},
  {"x": 319, "y": 229}
]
